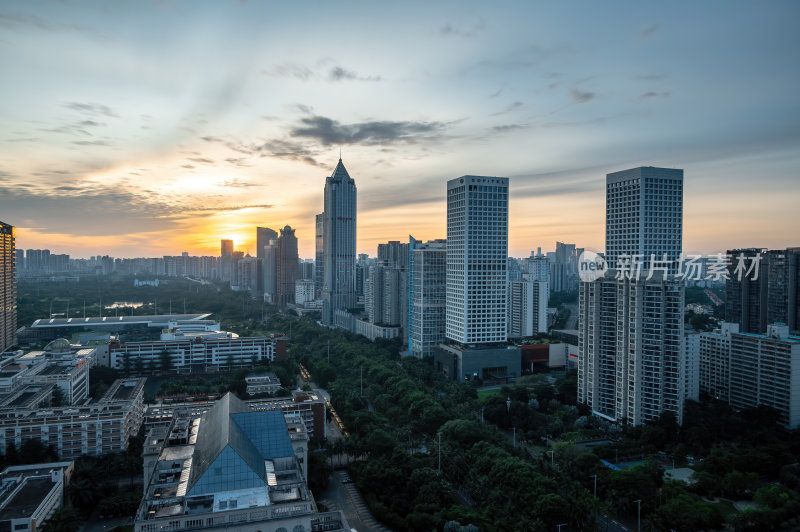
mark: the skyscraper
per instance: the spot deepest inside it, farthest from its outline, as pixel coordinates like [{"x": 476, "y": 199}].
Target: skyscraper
[
  {"x": 339, "y": 236},
  {"x": 226, "y": 260},
  {"x": 477, "y": 256},
  {"x": 631, "y": 339},
  {"x": 319, "y": 255},
  {"x": 263, "y": 236},
  {"x": 270, "y": 272},
  {"x": 287, "y": 266},
  {"x": 427, "y": 296},
  {"x": 644, "y": 216},
  {"x": 8, "y": 286}
]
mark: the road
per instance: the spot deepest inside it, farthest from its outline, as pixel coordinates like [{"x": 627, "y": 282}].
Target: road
[{"x": 342, "y": 494}]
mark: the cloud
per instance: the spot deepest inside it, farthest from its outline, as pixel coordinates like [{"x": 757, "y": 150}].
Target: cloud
[
  {"x": 233, "y": 208},
  {"x": 91, "y": 108},
  {"x": 328, "y": 131},
  {"x": 319, "y": 72},
  {"x": 498, "y": 93},
  {"x": 654, "y": 95},
  {"x": 509, "y": 108},
  {"x": 509, "y": 127},
  {"x": 91, "y": 143},
  {"x": 201, "y": 160},
  {"x": 238, "y": 183},
  {"x": 291, "y": 70},
  {"x": 579, "y": 96},
  {"x": 648, "y": 31},
  {"x": 449, "y": 30},
  {"x": 339, "y": 74}
]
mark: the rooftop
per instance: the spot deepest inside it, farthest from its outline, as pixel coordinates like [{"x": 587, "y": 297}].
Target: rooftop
[
  {"x": 27, "y": 499},
  {"x": 158, "y": 320}
]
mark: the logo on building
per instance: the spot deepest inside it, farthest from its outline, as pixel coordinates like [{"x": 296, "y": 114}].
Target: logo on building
[{"x": 591, "y": 266}]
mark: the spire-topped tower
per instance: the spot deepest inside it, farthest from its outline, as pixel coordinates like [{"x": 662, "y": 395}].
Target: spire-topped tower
[{"x": 339, "y": 243}]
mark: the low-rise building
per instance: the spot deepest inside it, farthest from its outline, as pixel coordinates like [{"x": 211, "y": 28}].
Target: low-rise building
[
  {"x": 92, "y": 429},
  {"x": 30, "y": 494},
  {"x": 262, "y": 383},
  {"x": 236, "y": 469},
  {"x": 198, "y": 353}
]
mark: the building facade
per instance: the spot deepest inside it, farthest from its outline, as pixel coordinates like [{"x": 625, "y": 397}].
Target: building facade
[
  {"x": 644, "y": 217},
  {"x": 339, "y": 238},
  {"x": 287, "y": 266},
  {"x": 427, "y": 275},
  {"x": 8, "y": 286},
  {"x": 632, "y": 351},
  {"x": 477, "y": 259},
  {"x": 527, "y": 308}
]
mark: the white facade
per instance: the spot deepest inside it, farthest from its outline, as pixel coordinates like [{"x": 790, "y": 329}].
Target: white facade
[
  {"x": 527, "y": 308},
  {"x": 477, "y": 259},
  {"x": 303, "y": 291},
  {"x": 427, "y": 294},
  {"x": 644, "y": 215},
  {"x": 748, "y": 370},
  {"x": 339, "y": 240},
  {"x": 632, "y": 351}
]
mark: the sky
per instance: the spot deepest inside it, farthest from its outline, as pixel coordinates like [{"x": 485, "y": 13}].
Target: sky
[{"x": 152, "y": 128}]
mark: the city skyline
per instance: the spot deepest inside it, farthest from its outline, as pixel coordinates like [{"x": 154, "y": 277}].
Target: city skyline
[{"x": 176, "y": 125}]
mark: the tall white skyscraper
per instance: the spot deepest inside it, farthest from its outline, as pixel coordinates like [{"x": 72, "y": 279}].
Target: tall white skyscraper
[
  {"x": 477, "y": 257},
  {"x": 339, "y": 237},
  {"x": 632, "y": 363},
  {"x": 644, "y": 215}
]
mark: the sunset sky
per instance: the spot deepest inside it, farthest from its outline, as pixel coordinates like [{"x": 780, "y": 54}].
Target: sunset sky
[{"x": 151, "y": 128}]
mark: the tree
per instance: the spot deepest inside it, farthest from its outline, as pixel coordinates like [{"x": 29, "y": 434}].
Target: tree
[
  {"x": 166, "y": 361},
  {"x": 57, "y": 398},
  {"x": 65, "y": 519}
]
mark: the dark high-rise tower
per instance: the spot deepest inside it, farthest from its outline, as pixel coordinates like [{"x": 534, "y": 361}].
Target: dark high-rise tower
[
  {"x": 339, "y": 236},
  {"x": 287, "y": 266},
  {"x": 8, "y": 286}
]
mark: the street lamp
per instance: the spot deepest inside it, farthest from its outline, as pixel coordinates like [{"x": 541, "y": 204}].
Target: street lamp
[
  {"x": 515, "y": 436},
  {"x": 638, "y": 515},
  {"x": 508, "y": 404},
  {"x": 552, "y": 458},
  {"x": 595, "y": 485},
  {"x": 560, "y": 525}
]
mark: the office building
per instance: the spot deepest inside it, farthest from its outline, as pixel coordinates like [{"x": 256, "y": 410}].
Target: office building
[
  {"x": 319, "y": 253},
  {"x": 477, "y": 253},
  {"x": 8, "y": 286},
  {"x": 101, "y": 427},
  {"x": 263, "y": 236},
  {"x": 197, "y": 352},
  {"x": 527, "y": 308},
  {"x": 31, "y": 494},
  {"x": 427, "y": 296},
  {"x": 339, "y": 238},
  {"x": 476, "y": 290},
  {"x": 304, "y": 292},
  {"x": 270, "y": 271},
  {"x": 230, "y": 468},
  {"x": 644, "y": 217},
  {"x": 287, "y": 266}
]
